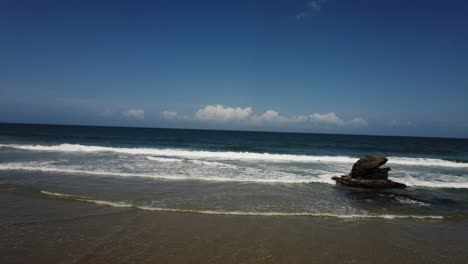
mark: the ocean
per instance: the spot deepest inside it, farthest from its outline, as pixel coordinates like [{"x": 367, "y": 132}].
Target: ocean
[
  {"x": 83, "y": 194},
  {"x": 232, "y": 172}
]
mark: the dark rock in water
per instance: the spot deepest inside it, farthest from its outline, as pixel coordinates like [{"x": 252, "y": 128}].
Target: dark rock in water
[
  {"x": 366, "y": 173},
  {"x": 370, "y": 162},
  {"x": 368, "y": 168},
  {"x": 373, "y": 174},
  {"x": 365, "y": 183}
]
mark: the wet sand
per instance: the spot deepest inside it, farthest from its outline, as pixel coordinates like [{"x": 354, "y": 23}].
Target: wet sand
[{"x": 43, "y": 230}]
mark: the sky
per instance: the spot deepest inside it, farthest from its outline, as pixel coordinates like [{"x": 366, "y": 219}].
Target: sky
[{"x": 375, "y": 67}]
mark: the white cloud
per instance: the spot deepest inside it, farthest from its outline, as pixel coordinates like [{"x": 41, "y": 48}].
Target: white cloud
[
  {"x": 358, "y": 121},
  {"x": 316, "y": 5},
  {"x": 327, "y": 119},
  {"x": 221, "y": 113},
  {"x": 134, "y": 113},
  {"x": 300, "y": 118},
  {"x": 169, "y": 115},
  {"x": 246, "y": 116},
  {"x": 311, "y": 7},
  {"x": 268, "y": 116},
  {"x": 107, "y": 112}
]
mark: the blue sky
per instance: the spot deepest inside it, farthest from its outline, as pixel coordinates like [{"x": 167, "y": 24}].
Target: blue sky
[{"x": 332, "y": 66}]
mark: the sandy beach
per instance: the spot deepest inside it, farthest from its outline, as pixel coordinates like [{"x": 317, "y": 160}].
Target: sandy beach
[{"x": 59, "y": 231}]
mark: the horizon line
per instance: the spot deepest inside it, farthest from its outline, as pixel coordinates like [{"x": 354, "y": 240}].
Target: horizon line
[{"x": 228, "y": 130}]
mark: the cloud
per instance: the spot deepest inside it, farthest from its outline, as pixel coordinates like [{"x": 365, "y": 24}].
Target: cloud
[
  {"x": 169, "y": 115},
  {"x": 106, "y": 113},
  {"x": 138, "y": 114},
  {"x": 221, "y": 113},
  {"x": 358, "y": 121},
  {"x": 327, "y": 119},
  {"x": 311, "y": 7},
  {"x": 246, "y": 116},
  {"x": 268, "y": 116},
  {"x": 316, "y": 5}
]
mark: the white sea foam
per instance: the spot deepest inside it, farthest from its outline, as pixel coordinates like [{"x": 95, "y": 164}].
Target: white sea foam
[
  {"x": 165, "y": 160},
  {"x": 321, "y": 176},
  {"x": 56, "y": 194},
  {"x": 408, "y": 201},
  {"x": 62, "y": 195},
  {"x": 245, "y": 213},
  {"x": 425, "y": 162},
  {"x": 228, "y": 155},
  {"x": 188, "y": 161},
  {"x": 20, "y": 166},
  {"x": 433, "y": 183}
]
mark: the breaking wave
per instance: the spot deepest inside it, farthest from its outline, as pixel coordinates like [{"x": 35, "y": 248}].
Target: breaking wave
[
  {"x": 320, "y": 176},
  {"x": 433, "y": 183},
  {"x": 242, "y": 213},
  {"x": 229, "y": 155},
  {"x": 323, "y": 178},
  {"x": 197, "y": 162}
]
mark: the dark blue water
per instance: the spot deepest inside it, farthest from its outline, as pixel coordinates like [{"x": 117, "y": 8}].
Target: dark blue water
[
  {"x": 231, "y": 172},
  {"x": 260, "y": 142}
]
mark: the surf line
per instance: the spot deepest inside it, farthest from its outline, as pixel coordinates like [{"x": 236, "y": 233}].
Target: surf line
[
  {"x": 239, "y": 213},
  {"x": 229, "y": 155}
]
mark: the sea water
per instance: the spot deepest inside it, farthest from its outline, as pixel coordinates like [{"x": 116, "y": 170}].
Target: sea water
[{"x": 232, "y": 172}]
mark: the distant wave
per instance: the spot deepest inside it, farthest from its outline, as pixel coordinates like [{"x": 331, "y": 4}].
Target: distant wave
[
  {"x": 242, "y": 213},
  {"x": 229, "y": 155},
  {"x": 242, "y": 148}
]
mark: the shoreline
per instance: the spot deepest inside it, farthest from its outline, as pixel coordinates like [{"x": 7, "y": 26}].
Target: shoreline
[
  {"x": 241, "y": 213},
  {"x": 44, "y": 230}
]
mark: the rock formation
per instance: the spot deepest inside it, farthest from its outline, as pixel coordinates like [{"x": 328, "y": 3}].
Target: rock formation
[
  {"x": 366, "y": 173},
  {"x": 369, "y": 168}
]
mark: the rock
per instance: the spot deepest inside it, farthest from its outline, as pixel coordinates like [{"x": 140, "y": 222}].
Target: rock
[
  {"x": 364, "y": 183},
  {"x": 370, "y": 162},
  {"x": 368, "y": 168},
  {"x": 366, "y": 173}
]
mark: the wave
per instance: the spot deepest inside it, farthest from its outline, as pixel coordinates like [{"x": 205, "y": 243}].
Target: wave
[
  {"x": 243, "y": 148},
  {"x": 62, "y": 195},
  {"x": 243, "y": 213},
  {"x": 187, "y": 161},
  {"x": 322, "y": 179},
  {"x": 229, "y": 155},
  {"x": 425, "y": 162},
  {"x": 410, "y": 181},
  {"x": 408, "y": 201}
]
